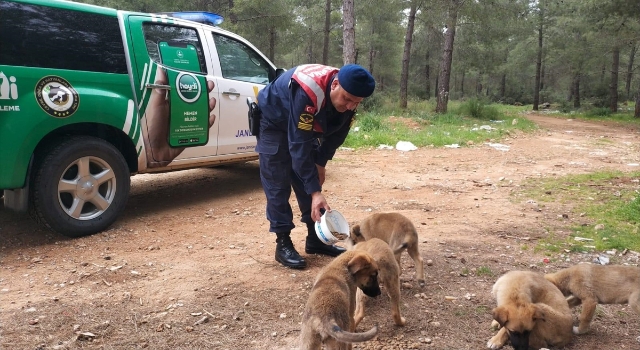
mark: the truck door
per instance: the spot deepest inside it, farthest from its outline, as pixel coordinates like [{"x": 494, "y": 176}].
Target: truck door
[
  {"x": 240, "y": 71},
  {"x": 172, "y": 90}
]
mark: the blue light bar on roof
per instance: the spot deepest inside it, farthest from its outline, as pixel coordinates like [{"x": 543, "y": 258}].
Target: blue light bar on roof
[{"x": 210, "y": 18}]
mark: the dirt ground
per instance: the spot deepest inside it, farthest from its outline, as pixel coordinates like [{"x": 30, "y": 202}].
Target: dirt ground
[{"x": 190, "y": 263}]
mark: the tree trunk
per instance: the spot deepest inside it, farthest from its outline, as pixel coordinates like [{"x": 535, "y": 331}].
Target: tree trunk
[
  {"x": 310, "y": 51},
  {"x": 233, "y": 18},
  {"x": 572, "y": 88},
  {"x": 542, "y": 73},
  {"x": 536, "y": 93},
  {"x": 503, "y": 78},
  {"x": 576, "y": 91},
  {"x": 447, "y": 57},
  {"x": 632, "y": 56},
  {"x": 613, "y": 86},
  {"x": 272, "y": 43},
  {"x": 427, "y": 76},
  {"x": 435, "y": 91},
  {"x": 462, "y": 85},
  {"x": 348, "y": 32},
  {"x": 454, "y": 83},
  {"x": 406, "y": 55},
  {"x": 327, "y": 31},
  {"x": 372, "y": 52},
  {"x": 637, "y": 111}
]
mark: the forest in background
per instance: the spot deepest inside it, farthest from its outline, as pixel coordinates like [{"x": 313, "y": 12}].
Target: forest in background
[{"x": 572, "y": 53}]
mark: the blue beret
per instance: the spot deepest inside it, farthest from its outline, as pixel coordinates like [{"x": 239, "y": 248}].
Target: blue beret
[{"x": 356, "y": 80}]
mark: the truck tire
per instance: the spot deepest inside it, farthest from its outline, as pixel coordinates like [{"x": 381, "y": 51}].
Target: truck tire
[{"x": 80, "y": 187}]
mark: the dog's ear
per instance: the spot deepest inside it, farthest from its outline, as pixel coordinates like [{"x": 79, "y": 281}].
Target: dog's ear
[
  {"x": 359, "y": 262},
  {"x": 355, "y": 230},
  {"x": 501, "y": 315},
  {"x": 538, "y": 314}
]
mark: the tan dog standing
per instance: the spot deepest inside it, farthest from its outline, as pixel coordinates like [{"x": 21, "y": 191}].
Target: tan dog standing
[
  {"x": 328, "y": 315},
  {"x": 590, "y": 285},
  {"x": 395, "y": 229},
  {"x": 531, "y": 312},
  {"x": 388, "y": 275}
]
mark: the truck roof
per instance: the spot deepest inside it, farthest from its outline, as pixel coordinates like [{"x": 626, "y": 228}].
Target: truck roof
[{"x": 70, "y": 5}]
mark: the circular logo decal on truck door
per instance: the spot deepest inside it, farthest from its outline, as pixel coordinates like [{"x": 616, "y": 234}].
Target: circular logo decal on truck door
[
  {"x": 188, "y": 87},
  {"x": 56, "y": 96}
]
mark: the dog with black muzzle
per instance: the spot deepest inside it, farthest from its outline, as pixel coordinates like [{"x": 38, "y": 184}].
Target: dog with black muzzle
[
  {"x": 531, "y": 313},
  {"x": 328, "y": 314},
  {"x": 388, "y": 275}
]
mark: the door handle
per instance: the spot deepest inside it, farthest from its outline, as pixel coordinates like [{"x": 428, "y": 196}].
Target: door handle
[
  {"x": 157, "y": 86},
  {"x": 232, "y": 93}
]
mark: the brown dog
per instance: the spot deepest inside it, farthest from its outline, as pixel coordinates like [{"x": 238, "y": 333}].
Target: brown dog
[
  {"x": 531, "y": 312},
  {"x": 388, "y": 275},
  {"x": 328, "y": 315},
  {"x": 589, "y": 285},
  {"x": 395, "y": 229}
]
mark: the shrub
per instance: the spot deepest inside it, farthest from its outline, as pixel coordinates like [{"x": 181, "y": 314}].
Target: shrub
[
  {"x": 479, "y": 110},
  {"x": 372, "y": 102},
  {"x": 565, "y": 106},
  {"x": 599, "y": 112},
  {"x": 369, "y": 122}
]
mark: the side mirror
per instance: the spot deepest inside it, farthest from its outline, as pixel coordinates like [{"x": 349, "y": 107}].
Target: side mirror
[{"x": 276, "y": 74}]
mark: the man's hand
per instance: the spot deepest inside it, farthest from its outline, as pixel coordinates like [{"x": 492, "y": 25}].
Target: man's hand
[{"x": 318, "y": 202}]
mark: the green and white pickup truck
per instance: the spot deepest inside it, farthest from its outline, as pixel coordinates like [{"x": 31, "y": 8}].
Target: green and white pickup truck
[{"x": 90, "y": 96}]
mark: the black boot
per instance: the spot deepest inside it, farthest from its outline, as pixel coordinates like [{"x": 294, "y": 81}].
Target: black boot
[
  {"x": 286, "y": 254},
  {"x": 315, "y": 246}
]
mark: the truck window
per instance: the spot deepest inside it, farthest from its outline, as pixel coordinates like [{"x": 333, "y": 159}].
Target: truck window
[
  {"x": 154, "y": 34},
  {"x": 239, "y": 62},
  {"x": 48, "y": 37}
]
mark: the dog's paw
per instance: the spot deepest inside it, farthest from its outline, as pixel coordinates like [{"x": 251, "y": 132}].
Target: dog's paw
[
  {"x": 421, "y": 283},
  {"x": 492, "y": 344},
  {"x": 577, "y": 331},
  {"x": 401, "y": 322},
  {"x": 638, "y": 339},
  {"x": 495, "y": 325}
]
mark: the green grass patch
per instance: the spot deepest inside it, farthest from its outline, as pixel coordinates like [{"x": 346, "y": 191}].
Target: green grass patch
[
  {"x": 386, "y": 124},
  {"x": 482, "y": 310},
  {"x": 609, "y": 202},
  {"x": 624, "y": 116},
  {"x": 484, "y": 271}
]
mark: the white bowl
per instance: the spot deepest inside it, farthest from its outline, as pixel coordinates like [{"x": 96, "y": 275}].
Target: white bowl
[{"x": 332, "y": 228}]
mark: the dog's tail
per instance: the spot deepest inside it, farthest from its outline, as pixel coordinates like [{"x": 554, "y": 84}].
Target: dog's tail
[
  {"x": 347, "y": 337},
  {"x": 400, "y": 248}
]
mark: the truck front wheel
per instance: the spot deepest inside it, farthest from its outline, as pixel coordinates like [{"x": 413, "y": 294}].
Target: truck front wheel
[{"x": 80, "y": 187}]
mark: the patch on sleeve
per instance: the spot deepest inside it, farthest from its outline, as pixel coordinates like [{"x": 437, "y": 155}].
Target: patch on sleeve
[
  {"x": 310, "y": 109},
  {"x": 306, "y": 122}
]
